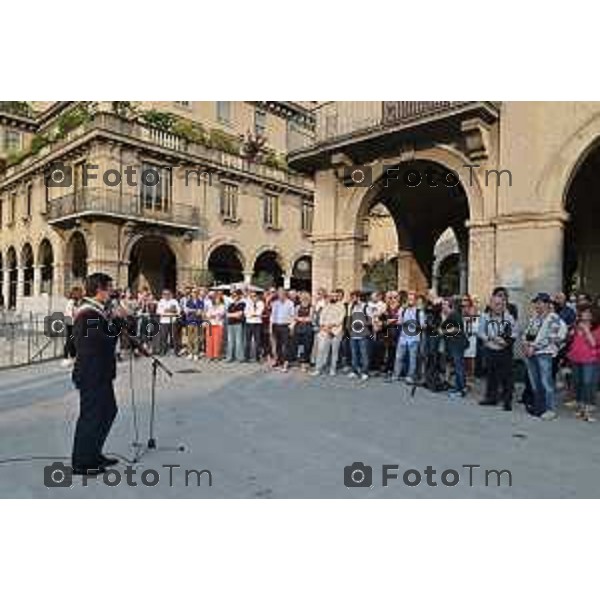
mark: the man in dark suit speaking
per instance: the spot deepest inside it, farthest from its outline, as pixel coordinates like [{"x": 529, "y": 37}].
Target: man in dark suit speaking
[{"x": 95, "y": 333}]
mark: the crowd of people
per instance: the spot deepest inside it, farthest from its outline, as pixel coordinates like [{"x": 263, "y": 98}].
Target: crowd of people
[{"x": 442, "y": 343}]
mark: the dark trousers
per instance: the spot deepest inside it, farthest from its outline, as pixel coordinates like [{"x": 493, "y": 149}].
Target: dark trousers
[
  {"x": 69, "y": 350},
  {"x": 254, "y": 341},
  {"x": 360, "y": 355},
  {"x": 281, "y": 333},
  {"x": 499, "y": 364},
  {"x": 304, "y": 336},
  {"x": 266, "y": 340},
  {"x": 97, "y": 411},
  {"x": 391, "y": 340},
  {"x": 168, "y": 336},
  {"x": 377, "y": 351},
  {"x": 345, "y": 353},
  {"x": 456, "y": 355}
]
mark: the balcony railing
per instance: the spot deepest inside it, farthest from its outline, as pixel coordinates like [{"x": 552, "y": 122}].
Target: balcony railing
[
  {"x": 112, "y": 124},
  {"x": 130, "y": 207},
  {"x": 339, "y": 121},
  {"x": 16, "y": 108}
]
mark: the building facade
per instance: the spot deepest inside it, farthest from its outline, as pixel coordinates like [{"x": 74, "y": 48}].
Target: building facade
[
  {"x": 472, "y": 194},
  {"x": 516, "y": 182},
  {"x": 157, "y": 194}
]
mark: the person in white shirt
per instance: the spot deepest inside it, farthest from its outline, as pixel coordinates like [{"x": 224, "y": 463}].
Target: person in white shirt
[
  {"x": 168, "y": 310},
  {"x": 254, "y": 321},
  {"x": 282, "y": 318},
  {"x": 411, "y": 322},
  {"x": 214, "y": 332}
]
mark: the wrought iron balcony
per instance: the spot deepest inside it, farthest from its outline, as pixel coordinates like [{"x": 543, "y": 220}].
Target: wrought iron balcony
[
  {"x": 103, "y": 204},
  {"x": 341, "y": 124}
]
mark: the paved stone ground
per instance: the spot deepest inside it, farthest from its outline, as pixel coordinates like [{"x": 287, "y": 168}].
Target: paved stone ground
[{"x": 265, "y": 434}]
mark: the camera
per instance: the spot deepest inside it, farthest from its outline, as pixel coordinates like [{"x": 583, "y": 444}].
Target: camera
[
  {"x": 58, "y": 475},
  {"x": 357, "y": 176},
  {"x": 55, "y": 325},
  {"x": 358, "y": 475},
  {"x": 58, "y": 175}
]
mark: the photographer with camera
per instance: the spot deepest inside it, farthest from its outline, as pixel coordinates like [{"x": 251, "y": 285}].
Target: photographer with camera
[
  {"x": 359, "y": 333},
  {"x": 455, "y": 343},
  {"x": 544, "y": 337},
  {"x": 96, "y": 331},
  {"x": 497, "y": 331}
]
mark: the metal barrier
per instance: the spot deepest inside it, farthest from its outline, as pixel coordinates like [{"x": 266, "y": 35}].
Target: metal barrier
[{"x": 23, "y": 341}]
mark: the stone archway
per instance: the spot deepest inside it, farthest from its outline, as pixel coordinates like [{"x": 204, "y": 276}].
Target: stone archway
[
  {"x": 46, "y": 264},
  {"x": 152, "y": 265},
  {"x": 76, "y": 262},
  {"x": 449, "y": 267},
  {"x": 226, "y": 264},
  {"x": 581, "y": 248},
  {"x": 268, "y": 269},
  {"x": 301, "y": 273},
  {"x": 27, "y": 264},
  {"x": 341, "y": 211},
  {"x": 424, "y": 198}
]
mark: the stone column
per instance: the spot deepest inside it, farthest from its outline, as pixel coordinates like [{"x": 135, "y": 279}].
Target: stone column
[
  {"x": 348, "y": 263},
  {"x": 185, "y": 276},
  {"x": 5, "y": 285},
  {"x": 323, "y": 267},
  {"x": 20, "y": 286},
  {"x": 482, "y": 259},
  {"x": 530, "y": 254},
  {"x": 103, "y": 241},
  {"x": 58, "y": 279},
  {"x": 405, "y": 259},
  {"x": 410, "y": 274},
  {"x": 248, "y": 277},
  {"x": 463, "y": 267},
  {"x": 37, "y": 281},
  {"x": 287, "y": 281},
  {"x": 324, "y": 235}
]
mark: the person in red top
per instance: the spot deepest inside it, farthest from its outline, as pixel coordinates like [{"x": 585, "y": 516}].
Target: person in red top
[{"x": 584, "y": 355}]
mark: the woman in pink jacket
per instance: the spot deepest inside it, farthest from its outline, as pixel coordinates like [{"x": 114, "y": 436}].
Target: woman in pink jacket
[{"x": 584, "y": 355}]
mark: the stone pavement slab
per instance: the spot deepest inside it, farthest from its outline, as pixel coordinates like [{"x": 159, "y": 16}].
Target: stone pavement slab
[{"x": 265, "y": 434}]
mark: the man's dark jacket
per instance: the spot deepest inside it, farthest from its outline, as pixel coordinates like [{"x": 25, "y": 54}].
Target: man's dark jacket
[{"x": 95, "y": 338}]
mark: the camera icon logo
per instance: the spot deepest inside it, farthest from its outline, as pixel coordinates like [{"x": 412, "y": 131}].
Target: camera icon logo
[
  {"x": 359, "y": 325},
  {"x": 357, "y": 176},
  {"x": 58, "y": 475},
  {"x": 358, "y": 475},
  {"x": 58, "y": 175},
  {"x": 55, "y": 325}
]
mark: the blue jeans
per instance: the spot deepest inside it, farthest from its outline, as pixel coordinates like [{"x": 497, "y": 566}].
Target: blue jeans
[
  {"x": 539, "y": 368},
  {"x": 235, "y": 342},
  {"x": 412, "y": 348},
  {"x": 360, "y": 355},
  {"x": 456, "y": 354},
  {"x": 585, "y": 381}
]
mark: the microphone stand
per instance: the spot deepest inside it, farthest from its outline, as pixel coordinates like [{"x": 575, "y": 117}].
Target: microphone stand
[{"x": 157, "y": 364}]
